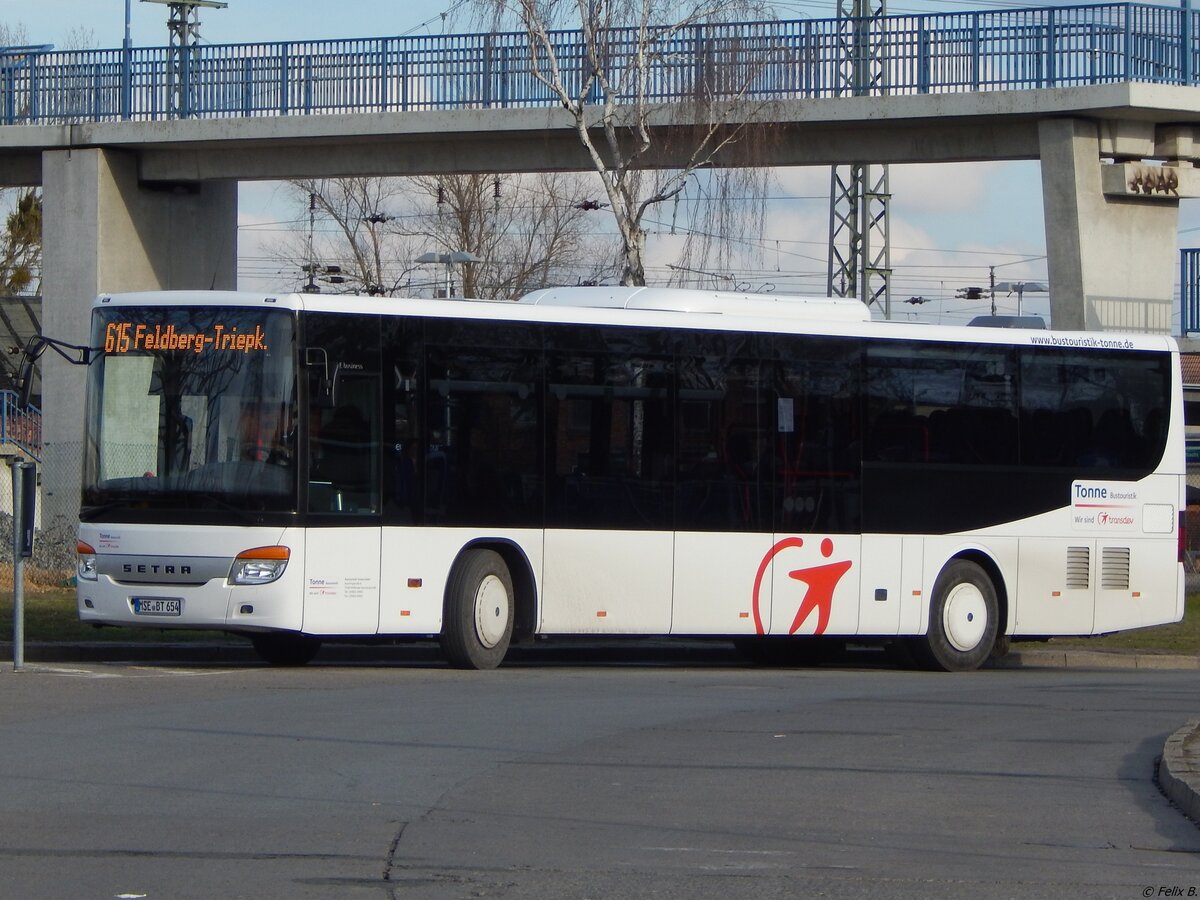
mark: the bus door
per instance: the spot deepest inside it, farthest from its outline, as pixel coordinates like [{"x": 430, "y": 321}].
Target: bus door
[
  {"x": 722, "y": 566},
  {"x": 816, "y": 436},
  {"x": 610, "y": 462},
  {"x": 344, "y": 495}
]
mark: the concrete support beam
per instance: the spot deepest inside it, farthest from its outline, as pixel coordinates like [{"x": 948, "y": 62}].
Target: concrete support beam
[
  {"x": 1177, "y": 144},
  {"x": 1122, "y": 139},
  {"x": 1169, "y": 182},
  {"x": 103, "y": 231},
  {"x": 1111, "y": 259}
]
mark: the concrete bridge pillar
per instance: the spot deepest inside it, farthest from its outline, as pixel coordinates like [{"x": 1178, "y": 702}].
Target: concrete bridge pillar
[
  {"x": 104, "y": 231},
  {"x": 1110, "y": 235}
]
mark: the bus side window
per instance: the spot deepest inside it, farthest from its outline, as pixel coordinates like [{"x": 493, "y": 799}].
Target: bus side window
[
  {"x": 344, "y": 439},
  {"x": 482, "y": 430},
  {"x": 344, "y": 450},
  {"x": 344, "y": 463}
]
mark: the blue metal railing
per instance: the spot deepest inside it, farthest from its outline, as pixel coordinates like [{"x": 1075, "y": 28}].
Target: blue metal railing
[
  {"x": 20, "y": 425},
  {"x": 808, "y": 58},
  {"x": 1189, "y": 291}
]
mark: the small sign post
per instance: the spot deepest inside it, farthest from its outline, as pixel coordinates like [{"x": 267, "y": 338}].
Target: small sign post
[{"x": 24, "y": 494}]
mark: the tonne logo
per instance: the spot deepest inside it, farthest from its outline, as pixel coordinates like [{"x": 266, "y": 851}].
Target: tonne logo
[{"x": 820, "y": 581}]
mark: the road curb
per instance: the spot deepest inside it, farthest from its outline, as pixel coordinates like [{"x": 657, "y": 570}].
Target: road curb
[
  {"x": 1179, "y": 769},
  {"x": 1082, "y": 658}
]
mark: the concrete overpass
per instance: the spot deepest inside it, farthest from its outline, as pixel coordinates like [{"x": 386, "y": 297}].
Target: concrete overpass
[
  {"x": 147, "y": 190},
  {"x": 139, "y": 193}
]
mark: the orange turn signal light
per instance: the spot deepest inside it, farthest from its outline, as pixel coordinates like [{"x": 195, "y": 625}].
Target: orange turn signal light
[{"x": 276, "y": 552}]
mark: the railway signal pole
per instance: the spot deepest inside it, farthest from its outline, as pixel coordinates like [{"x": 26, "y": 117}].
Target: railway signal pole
[
  {"x": 860, "y": 250},
  {"x": 184, "y": 27}
]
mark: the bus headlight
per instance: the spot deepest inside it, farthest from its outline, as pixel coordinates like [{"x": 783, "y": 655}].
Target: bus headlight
[
  {"x": 85, "y": 563},
  {"x": 262, "y": 565}
]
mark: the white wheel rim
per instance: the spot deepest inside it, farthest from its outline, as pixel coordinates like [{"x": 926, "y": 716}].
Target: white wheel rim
[
  {"x": 964, "y": 617},
  {"x": 491, "y": 611}
]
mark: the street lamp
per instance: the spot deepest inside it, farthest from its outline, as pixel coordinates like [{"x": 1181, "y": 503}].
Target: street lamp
[
  {"x": 449, "y": 259},
  {"x": 1020, "y": 287}
]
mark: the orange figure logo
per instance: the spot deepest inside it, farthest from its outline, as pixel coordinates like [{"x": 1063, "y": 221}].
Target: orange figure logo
[{"x": 821, "y": 581}]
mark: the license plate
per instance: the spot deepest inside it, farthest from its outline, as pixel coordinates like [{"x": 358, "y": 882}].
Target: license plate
[{"x": 156, "y": 606}]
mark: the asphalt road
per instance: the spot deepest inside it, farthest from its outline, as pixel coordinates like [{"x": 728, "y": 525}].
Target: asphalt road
[{"x": 588, "y": 781}]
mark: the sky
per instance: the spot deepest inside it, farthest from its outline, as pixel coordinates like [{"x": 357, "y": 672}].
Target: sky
[{"x": 949, "y": 223}]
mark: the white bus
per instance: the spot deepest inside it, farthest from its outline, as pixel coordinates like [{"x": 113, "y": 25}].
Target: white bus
[{"x": 622, "y": 461}]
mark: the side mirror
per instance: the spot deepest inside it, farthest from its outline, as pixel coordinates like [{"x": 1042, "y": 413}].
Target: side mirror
[
  {"x": 29, "y": 357},
  {"x": 37, "y": 345}
]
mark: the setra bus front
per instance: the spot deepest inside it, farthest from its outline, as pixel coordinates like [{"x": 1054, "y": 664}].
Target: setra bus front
[{"x": 190, "y": 467}]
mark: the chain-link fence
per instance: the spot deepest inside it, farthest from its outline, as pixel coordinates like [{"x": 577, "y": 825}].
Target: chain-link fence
[
  {"x": 56, "y": 517},
  {"x": 53, "y": 546}
]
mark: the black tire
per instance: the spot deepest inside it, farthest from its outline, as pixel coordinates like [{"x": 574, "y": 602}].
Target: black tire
[
  {"x": 1001, "y": 648},
  {"x": 285, "y": 648},
  {"x": 477, "y": 619},
  {"x": 963, "y": 620}
]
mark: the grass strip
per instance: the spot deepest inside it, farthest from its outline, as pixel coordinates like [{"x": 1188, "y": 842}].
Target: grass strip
[{"x": 50, "y": 617}]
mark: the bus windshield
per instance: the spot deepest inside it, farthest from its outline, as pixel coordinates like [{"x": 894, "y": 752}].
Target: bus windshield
[{"x": 193, "y": 409}]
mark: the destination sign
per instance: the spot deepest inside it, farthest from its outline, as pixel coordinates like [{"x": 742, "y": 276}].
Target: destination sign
[{"x": 131, "y": 337}]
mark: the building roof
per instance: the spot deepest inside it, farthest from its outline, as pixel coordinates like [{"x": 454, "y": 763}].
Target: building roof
[{"x": 1190, "y": 363}]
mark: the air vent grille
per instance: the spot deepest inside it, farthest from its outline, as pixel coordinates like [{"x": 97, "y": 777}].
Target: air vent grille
[
  {"x": 1114, "y": 569},
  {"x": 1079, "y": 566}
]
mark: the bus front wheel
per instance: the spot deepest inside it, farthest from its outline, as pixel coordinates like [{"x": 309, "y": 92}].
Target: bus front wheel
[
  {"x": 477, "y": 622},
  {"x": 963, "y": 619}
]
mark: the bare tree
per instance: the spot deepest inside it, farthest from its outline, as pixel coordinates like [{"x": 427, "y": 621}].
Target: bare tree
[
  {"x": 78, "y": 37},
  {"x": 13, "y": 35},
  {"x": 606, "y": 82},
  {"x": 528, "y": 231},
  {"x": 351, "y": 214}
]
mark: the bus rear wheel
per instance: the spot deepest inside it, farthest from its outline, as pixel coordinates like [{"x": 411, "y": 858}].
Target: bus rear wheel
[
  {"x": 963, "y": 620},
  {"x": 477, "y": 621},
  {"x": 285, "y": 648}
]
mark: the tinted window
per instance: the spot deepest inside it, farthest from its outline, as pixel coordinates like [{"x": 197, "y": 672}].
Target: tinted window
[
  {"x": 1094, "y": 412},
  {"x": 817, "y": 434},
  {"x": 609, "y": 429},
  {"x": 723, "y": 425},
  {"x": 404, "y": 433},
  {"x": 483, "y": 455},
  {"x": 941, "y": 404},
  {"x": 341, "y": 357}
]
